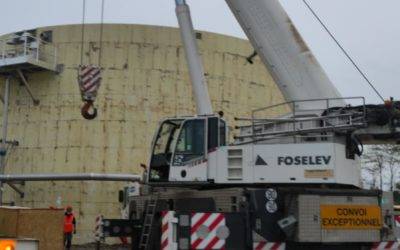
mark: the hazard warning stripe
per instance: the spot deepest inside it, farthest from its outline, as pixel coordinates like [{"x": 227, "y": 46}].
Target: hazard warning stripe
[
  {"x": 89, "y": 74},
  {"x": 167, "y": 230},
  {"x": 211, "y": 244},
  {"x": 164, "y": 244},
  {"x": 85, "y": 69},
  {"x": 216, "y": 222},
  {"x": 196, "y": 243},
  {"x": 198, "y": 219},
  {"x": 390, "y": 245},
  {"x": 98, "y": 231},
  {"x": 91, "y": 81},
  {"x": 263, "y": 245},
  {"x": 260, "y": 245},
  {"x": 397, "y": 220},
  {"x": 206, "y": 219},
  {"x": 164, "y": 227},
  {"x": 89, "y": 78},
  {"x": 210, "y": 222},
  {"x": 92, "y": 72},
  {"x": 92, "y": 84}
]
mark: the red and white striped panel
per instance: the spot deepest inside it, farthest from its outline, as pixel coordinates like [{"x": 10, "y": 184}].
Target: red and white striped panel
[
  {"x": 89, "y": 78},
  {"x": 98, "y": 230},
  {"x": 263, "y": 245},
  {"x": 390, "y": 245},
  {"x": 397, "y": 220},
  {"x": 203, "y": 231},
  {"x": 167, "y": 230}
]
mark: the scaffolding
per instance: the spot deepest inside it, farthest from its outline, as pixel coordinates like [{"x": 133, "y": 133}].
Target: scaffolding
[
  {"x": 21, "y": 53},
  {"x": 28, "y": 53}
]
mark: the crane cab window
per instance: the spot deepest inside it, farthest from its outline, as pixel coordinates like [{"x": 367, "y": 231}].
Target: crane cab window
[
  {"x": 212, "y": 133},
  {"x": 222, "y": 132},
  {"x": 191, "y": 142},
  {"x": 216, "y": 133},
  {"x": 163, "y": 149}
]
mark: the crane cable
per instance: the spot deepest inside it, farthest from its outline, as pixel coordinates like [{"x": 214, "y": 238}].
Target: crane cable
[
  {"x": 89, "y": 76},
  {"x": 101, "y": 31},
  {"x": 83, "y": 28},
  {"x": 343, "y": 49}
]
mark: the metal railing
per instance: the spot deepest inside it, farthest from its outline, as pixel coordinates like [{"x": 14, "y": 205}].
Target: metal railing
[
  {"x": 27, "y": 48},
  {"x": 321, "y": 117}
]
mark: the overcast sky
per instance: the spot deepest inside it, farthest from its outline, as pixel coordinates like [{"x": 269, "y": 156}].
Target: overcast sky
[{"x": 368, "y": 29}]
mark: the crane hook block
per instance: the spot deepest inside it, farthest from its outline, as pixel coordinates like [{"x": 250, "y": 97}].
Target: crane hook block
[{"x": 89, "y": 80}]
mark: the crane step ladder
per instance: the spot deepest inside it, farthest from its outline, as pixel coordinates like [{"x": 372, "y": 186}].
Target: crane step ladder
[{"x": 148, "y": 222}]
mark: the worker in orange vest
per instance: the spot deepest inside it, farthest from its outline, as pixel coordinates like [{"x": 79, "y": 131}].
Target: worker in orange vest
[{"x": 69, "y": 227}]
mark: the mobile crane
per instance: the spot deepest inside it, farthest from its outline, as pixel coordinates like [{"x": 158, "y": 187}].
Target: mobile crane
[{"x": 287, "y": 182}]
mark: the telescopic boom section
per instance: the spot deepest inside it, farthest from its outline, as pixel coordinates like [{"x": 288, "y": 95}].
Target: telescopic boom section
[
  {"x": 280, "y": 46},
  {"x": 196, "y": 70}
]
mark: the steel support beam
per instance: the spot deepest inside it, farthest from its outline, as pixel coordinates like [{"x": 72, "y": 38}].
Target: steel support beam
[
  {"x": 27, "y": 87},
  {"x": 16, "y": 189},
  {"x": 3, "y": 145},
  {"x": 71, "y": 177}
]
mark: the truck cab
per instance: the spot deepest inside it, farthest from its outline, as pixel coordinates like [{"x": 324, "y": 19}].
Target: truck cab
[{"x": 183, "y": 146}]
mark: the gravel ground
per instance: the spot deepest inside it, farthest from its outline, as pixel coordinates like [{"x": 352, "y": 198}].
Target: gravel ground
[{"x": 102, "y": 247}]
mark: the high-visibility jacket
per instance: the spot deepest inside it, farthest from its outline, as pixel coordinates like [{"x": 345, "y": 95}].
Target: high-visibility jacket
[{"x": 69, "y": 223}]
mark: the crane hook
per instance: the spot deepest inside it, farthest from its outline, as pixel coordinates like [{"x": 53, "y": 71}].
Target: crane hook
[{"x": 85, "y": 110}]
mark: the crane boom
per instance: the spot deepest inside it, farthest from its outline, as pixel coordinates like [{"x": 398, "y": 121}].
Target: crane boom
[
  {"x": 280, "y": 46},
  {"x": 196, "y": 70}
]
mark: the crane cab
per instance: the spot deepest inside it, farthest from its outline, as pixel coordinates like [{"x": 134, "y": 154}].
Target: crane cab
[{"x": 183, "y": 147}]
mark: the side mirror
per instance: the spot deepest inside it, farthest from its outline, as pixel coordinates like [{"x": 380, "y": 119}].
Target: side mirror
[{"x": 121, "y": 196}]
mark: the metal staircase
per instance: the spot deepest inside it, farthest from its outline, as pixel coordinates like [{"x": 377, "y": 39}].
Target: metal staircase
[{"x": 148, "y": 222}]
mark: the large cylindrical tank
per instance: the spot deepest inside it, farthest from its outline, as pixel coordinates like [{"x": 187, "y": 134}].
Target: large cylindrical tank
[{"x": 145, "y": 79}]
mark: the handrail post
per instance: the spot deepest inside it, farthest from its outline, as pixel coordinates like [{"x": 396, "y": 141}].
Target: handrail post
[
  {"x": 3, "y": 50},
  {"x": 294, "y": 121},
  {"x": 364, "y": 111},
  {"x": 39, "y": 43},
  {"x": 55, "y": 56},
  {"x": 25, "y": 44},
  {"x": 327, "y": 106},
  {"x": 252, "y": 126}
]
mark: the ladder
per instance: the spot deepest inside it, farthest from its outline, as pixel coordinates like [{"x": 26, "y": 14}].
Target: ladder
[{"x": 148, "y": 222}]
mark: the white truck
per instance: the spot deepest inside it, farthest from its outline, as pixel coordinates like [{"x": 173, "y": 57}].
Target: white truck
[{"x": 287, "y": 182}]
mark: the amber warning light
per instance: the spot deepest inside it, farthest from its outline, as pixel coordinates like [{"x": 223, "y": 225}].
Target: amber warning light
[{"x": 7, "y": 244}]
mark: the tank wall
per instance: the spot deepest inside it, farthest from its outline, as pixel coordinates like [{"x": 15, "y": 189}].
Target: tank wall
[{"x": 145, "y": 79}]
